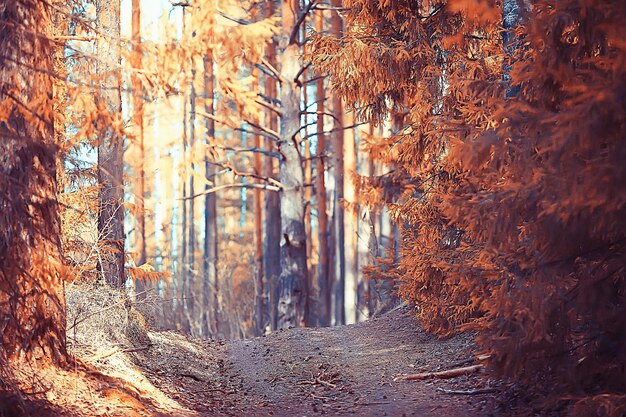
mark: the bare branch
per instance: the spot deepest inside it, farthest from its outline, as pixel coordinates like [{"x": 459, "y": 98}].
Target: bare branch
[
  {"x": 254, "y": 150},
  {"x": 269, "y": 106},
  {"x": 301, "y": 17},
  {"x": 75, "y": 38},
  {"x": 300, "y": 72},
  {"x": 334, "y": 130},
  {"x": 266, "y": 71},
  {"x": 236, "y": 185},
  {"x": 325, "y": 6},
  {"x": 228, "y": 167},
  {"x": 312, "y": 80},
  {"x": 321, "y": 113},
  {"x": 272, "y": 69},
  {"x": 234, "y": 19},
  {"x": 262, "y": 128},
  {"x": 315, "y": 102},
  {"x": 262, "y": 131}
]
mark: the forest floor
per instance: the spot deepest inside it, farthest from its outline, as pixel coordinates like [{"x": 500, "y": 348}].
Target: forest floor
[{"x": 336, "y": 371}]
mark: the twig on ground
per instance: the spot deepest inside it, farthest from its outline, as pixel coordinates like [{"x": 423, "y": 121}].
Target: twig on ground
[
  {"x": 320, "y": 397},
  {"x": 468, "y": 392},
  {"x": 450, "y": 373},
  {"x": 323, "y": 378},
  {"x": 102, "y": 356}
]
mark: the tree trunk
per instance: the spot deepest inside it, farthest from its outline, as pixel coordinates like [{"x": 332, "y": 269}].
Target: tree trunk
[
  {"x": 259, "y": 304},
  {"x": 323, "y": 278},
  {"x": 32, "y": 306},
  {"x": 338, "y": 170},
  {"x": 184, "y": 265},
  {"x": 366, "y": 239},
  {"x": 308, "y": 198},
  {"x": 293, "y": 283},
  {"x": 191, "y": 230},
  {"x": 210, "y": 284},
  {"x": 510, "y": 19},
  {"x": 138, "y": 111},
  {"x": 110, "y": 147},
  {"x": 271, "y": 262},
  {"x": 352, "y": 221}
]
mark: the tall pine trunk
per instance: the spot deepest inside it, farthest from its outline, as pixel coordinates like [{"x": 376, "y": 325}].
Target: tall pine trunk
[
  {"x": 191, "y": 230},
  {"x": 184, "y": 261},
  {"x": 259, "y": 304},
  {"x": 323, "y": 278},
  {"x": 351, "y": 221},
  {"x": 271, "y": 261},
  {"x": 293, "y": 282},
  {"x": 210, "y": 283},
  {"x": 110, "y": 147},
  {"x": 138, "y": 111},
  {"x": 338, "y": 171},
  {"x": 32, "y": 307}
]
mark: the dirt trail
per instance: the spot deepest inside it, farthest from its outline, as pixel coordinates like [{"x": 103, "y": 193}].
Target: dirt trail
[{"x": 345, "y": 370}]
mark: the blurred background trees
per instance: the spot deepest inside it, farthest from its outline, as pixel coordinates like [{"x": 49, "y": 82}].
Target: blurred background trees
[{"x": 234, "y": 186}]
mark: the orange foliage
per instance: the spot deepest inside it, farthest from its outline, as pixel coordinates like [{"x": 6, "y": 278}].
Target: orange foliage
[{"x": 508, "y": 175}]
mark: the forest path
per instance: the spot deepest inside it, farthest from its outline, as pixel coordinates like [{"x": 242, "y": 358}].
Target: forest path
[{"x": 346, "y": 370}]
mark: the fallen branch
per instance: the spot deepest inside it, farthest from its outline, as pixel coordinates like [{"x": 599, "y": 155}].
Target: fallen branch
[
  {"x": 468, "y": 392},
  {"x": 318, "y": 381},
  {"x": 450, "y": 373}
]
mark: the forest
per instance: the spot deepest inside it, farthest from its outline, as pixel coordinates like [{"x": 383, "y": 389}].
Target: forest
[{"x": 302, "y": 207}]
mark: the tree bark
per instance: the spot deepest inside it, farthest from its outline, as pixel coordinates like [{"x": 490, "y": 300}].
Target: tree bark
[
  {"x": 259, "y": 304},
  {"x": 191, "y": 230},
  {"x": 138, "y": 111},
  {"x": 271, "y": 262},
  {"x": 352, "y": 221},
  {"x": 110, "y": 147},
  {"x": 293, "y": 283},
  {"x": 210, "y": 283},
  {"x": 323, "y": 278},
  {"x": 32, "y": 303},
  {"x": 338, "y": 171}
]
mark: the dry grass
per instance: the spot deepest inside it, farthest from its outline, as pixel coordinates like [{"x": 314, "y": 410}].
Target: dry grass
[
  {"x": 103, "y": 322},
  {"x": 106, "y": 335}
]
